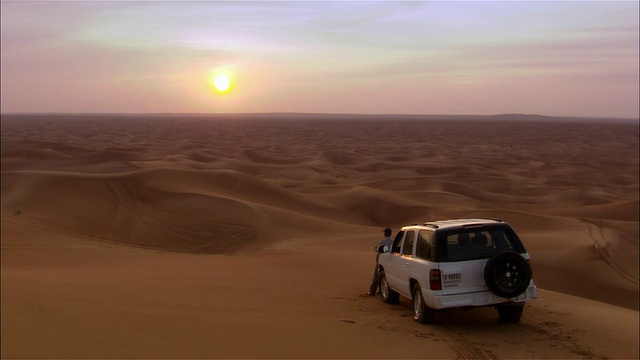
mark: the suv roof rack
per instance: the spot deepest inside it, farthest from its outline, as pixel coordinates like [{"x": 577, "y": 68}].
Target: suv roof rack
[
  {"x": 431, "y": 225},
  {"x": 491, "y": 218}
]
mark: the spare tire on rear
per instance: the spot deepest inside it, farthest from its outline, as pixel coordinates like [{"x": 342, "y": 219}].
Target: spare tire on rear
[{"x": 507, "y": 274}]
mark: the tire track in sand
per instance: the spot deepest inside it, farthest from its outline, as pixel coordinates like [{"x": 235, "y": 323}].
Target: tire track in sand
[
  {"x": 601, "y": 243},
  {"x": 477, "y": 334}
]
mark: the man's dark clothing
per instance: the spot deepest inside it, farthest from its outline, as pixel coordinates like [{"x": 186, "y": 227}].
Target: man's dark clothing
[{"x": 388, "y": 242}]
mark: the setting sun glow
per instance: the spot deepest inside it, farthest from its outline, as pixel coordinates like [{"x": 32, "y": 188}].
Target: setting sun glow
[{"x": 221, "y": 83}]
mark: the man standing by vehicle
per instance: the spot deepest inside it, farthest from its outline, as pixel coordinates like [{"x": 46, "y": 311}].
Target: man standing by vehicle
[{"x": 387, "y": 242}]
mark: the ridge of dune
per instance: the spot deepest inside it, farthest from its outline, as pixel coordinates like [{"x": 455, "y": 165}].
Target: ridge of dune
[
  {"x": 185, "y": 210},
  {"x": 621, "y": 210},
  {"x": 378, "y": 207}
]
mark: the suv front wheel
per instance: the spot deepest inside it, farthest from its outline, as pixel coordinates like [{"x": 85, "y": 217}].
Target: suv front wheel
[
  {"x": 386, "y": 293},
  {"x": 421, "y": 312}
]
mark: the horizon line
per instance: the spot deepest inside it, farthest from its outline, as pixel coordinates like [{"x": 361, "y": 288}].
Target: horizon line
[{"x": 318, "y": 114}]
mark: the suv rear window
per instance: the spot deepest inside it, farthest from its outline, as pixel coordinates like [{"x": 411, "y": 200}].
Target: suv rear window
[{"x": 472, "y": 243}]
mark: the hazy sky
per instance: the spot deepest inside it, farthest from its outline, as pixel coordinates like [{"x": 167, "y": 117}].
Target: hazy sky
[{"x": 437, "y": 57}]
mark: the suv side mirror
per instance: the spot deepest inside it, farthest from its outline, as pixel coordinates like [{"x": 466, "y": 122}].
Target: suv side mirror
[{"x": 383, "y": 249}]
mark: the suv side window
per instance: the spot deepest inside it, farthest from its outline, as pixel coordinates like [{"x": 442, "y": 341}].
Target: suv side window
[
  {"x": 396, "y": 242},
  {"x": 423, "y": 249},
  {"x": 407, "y": 247}
]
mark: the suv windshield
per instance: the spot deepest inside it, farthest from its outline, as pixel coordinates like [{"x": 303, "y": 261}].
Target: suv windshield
[{"x": 471, "y": 243}]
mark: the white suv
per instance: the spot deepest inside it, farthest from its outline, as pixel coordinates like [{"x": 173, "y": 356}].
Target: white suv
[{"x": 457, "y": 263}]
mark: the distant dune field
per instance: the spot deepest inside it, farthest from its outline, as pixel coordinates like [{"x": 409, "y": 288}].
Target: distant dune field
[{"x": 182, "y": 236}]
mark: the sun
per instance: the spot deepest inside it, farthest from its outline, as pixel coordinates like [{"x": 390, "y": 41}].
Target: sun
[{"x": 221, "y": 83}]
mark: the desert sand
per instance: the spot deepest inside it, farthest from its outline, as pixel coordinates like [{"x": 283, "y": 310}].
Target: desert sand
[{"x": 251, "y": 236}]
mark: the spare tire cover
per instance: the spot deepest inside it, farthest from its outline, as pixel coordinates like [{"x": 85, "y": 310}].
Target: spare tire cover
[{"x": 507, "y": 274}]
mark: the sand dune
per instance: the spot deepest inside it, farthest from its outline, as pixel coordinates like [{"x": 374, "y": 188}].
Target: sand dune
[
  {"x": 162, "y": 208},
  {"x": 113, "y": 231}
]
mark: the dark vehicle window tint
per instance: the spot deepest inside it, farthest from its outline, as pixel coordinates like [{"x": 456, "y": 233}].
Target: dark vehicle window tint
[
  {"x": 396, "y": 242},
  {"x": 477, "y": 243},
  {"x": 407, "y": 247},
  {"x": 423, "y": 248}
]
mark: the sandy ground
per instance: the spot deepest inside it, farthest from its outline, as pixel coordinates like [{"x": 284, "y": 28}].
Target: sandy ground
[{"x": 251, "y": 236}]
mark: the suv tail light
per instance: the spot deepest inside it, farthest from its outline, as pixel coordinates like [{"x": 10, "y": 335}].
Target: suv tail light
[{"x": 434, "y": 279}]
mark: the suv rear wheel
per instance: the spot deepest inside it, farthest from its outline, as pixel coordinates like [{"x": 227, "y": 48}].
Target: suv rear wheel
[
  {"x": 386, "y": 293},
  {"x": 510, "y": 313},
  {"x": 421, "y": 312}
]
